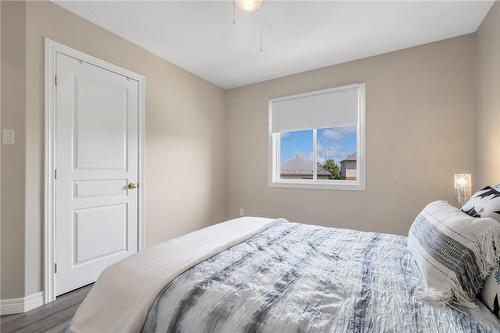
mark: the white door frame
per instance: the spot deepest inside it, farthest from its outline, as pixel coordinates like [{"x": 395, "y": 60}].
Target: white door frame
[{"x": 52, "y": 48}]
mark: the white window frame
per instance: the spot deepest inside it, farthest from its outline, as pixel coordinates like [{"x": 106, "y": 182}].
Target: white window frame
[{"x": 274, "y": 179}]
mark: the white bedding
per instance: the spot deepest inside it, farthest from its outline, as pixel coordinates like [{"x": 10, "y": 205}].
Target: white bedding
[
  {"x": 289, "y": 277},
  {"x": 121, "y": 297},
  {"x": 296, "y": 277}
]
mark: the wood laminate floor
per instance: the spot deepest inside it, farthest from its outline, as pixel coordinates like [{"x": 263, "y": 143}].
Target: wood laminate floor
[{"x": 52, "y": 317}]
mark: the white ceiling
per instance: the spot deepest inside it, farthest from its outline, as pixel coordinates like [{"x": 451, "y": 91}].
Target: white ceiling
[{"x": 297, "y": 36}]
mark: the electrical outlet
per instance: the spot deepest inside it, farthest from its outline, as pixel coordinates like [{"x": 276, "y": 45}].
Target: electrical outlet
[{"x": 242, "y": 212}]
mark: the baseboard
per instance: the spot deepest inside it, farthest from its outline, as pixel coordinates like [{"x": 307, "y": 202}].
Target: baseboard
[{"x": 20, "y": 305}]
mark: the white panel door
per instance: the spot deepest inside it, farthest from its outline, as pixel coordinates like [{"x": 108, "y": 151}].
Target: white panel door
[{"x": 97, "y": 161}]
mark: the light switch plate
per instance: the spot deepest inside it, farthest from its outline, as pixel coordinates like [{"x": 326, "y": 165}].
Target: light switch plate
[{"x": 8, "y": 136}]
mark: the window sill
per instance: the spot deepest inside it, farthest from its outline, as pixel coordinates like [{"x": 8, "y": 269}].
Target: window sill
[{"x": 340, "y": 185}]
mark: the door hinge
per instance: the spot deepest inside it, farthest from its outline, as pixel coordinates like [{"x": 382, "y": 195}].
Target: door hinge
[
  {"x": 55, "y": 80},
  {"x": 55, "y": 268},
  {"x": 55, "y": 173}
]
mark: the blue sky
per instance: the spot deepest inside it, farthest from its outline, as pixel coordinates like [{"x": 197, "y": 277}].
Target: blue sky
[{"x": 335, "y": 143}]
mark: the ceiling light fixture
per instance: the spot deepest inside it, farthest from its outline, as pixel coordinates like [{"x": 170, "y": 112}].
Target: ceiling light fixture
[{"x": 249, "y": 5}]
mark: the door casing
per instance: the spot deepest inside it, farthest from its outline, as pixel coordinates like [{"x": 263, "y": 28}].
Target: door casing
[{"x": 52, "y": 48}]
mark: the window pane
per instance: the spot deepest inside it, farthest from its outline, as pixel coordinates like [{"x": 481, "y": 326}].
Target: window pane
[
  {"x": 296, "y": 152},
  {"x": 337, "y": 157}
]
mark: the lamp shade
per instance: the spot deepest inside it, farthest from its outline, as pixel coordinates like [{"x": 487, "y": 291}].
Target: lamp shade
[
  {"x": 463, "y": 185},
  {"x": 248, "y": 5}
]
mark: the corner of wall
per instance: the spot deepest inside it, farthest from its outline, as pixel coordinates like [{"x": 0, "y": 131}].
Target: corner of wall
[
  {"x": 226, "y": 157},
  {"x": 487, "y": 67}
]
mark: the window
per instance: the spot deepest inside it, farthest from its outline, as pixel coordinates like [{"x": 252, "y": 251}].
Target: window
[
  {"x": 317, "y": 139},
  {"x": 296, "y": 155}
]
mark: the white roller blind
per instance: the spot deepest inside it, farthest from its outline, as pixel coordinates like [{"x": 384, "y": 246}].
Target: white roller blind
[{"x": 330, "y": 108}]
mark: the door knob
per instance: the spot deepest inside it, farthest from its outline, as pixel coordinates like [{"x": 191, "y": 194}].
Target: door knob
[{"x": 131, "y": 186}]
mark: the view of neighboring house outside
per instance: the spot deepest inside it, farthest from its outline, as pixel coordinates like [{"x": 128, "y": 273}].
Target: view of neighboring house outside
[
  {"x": 333, "y": 147},
  {"x": 348, "y": 167},
  {"x": 300, "y": 167}
]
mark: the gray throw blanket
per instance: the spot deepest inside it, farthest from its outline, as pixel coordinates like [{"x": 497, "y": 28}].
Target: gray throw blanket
[{"x": 304, "y": 278}]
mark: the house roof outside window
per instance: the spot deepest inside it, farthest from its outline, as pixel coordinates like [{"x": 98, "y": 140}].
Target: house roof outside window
[
  {"x": 351, "y": 157},
  {"x": 299, "y": 165}
]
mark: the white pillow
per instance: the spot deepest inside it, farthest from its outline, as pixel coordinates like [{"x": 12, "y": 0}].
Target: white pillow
[
  {"x": 454, "y": 251},
  {"x": 484, "y": 203},
  {"x": 490, "y": 293}
]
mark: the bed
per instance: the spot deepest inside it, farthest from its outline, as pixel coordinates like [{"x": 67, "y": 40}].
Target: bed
[{"x": 263, "y": 275}]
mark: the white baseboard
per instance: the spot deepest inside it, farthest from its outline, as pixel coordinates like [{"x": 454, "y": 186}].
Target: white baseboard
[{"x": 20, "y": 305}]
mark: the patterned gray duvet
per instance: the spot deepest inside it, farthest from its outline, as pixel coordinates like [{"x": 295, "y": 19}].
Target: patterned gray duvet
[{"x": 303, "y": 278}]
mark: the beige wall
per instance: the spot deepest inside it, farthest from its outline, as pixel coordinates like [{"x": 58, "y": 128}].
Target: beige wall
[
  {"x": 488, "y": 100},
  {"x": 13, "y": 156},
  {"x": 420, "y": 131},
  {"x": 185, "y": 139},
  {"x": 420, "y": 108}
]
